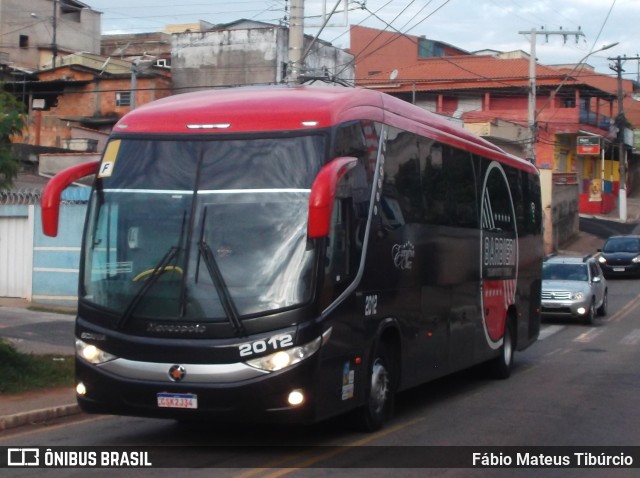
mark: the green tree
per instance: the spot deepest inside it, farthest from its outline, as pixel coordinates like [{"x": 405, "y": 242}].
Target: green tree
[{"x": 11, "y": 123}]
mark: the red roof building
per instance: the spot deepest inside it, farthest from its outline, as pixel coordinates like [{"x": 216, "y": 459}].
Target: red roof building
[
  {"x": 377, "y": 51},
  {"x": 490, "y": 96}
]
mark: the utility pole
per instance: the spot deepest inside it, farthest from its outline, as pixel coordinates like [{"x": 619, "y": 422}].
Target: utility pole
[
  {"x": 54, "y": 39},
  {"x": 296, "y": 41},
  {"x": 621, "y": 122},
  {"x": 531, "y": 118},
  {"x": 134, "y": 84}
]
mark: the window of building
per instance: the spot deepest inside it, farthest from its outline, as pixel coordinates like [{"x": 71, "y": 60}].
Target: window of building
[
  {"x": 429, "y": 49},
  {"x": 123, "y": 98},
  {"x": 24, "y": 41},
  {"x": 71, "y": 10}
]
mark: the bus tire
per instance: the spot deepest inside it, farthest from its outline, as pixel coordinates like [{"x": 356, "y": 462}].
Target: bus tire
[
  {"x": 379, "y": 391},
  {"x": 501, "y": 365}
]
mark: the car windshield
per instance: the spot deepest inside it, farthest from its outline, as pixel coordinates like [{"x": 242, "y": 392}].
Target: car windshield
[
  {"x": 622, "y": 245},
  {"x": 199, "y": 229},
  {"x": 559, "y": 271}
]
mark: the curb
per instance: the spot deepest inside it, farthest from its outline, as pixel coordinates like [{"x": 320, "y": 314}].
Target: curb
[{"x": 35, "y": 416}]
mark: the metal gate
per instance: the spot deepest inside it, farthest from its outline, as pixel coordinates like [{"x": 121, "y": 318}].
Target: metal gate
[{"x": 16, "y": 245}]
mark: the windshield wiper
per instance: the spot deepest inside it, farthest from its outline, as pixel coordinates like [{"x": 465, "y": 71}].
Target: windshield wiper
[
  {"x": 223, "y": 291},
  {"x": 157, "y": 272},
  {"x": 218, "y": 279}
]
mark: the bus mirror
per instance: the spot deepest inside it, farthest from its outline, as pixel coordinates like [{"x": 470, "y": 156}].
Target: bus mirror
[
  {"x": 50, "y": 200},
  {"x": 323, "y": 193}
]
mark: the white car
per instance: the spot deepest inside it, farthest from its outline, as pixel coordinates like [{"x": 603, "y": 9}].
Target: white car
[{"x": 573, "y": 287}]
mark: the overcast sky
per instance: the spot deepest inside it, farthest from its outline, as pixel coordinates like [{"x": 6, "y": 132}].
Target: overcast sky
[{"x": 468, "y": 24}]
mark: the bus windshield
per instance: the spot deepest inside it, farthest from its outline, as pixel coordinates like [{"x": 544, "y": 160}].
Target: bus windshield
[{"x": 202, "y": 230}]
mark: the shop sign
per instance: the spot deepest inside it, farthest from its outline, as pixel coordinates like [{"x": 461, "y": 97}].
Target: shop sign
[{"x": 588, "y": 145}]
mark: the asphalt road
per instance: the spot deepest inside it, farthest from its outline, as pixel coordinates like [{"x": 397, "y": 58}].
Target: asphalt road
[
  {"x": 37, "y": 332},
  {"x": 577, "y": 387},
  {"x": 603, "y": 228}
]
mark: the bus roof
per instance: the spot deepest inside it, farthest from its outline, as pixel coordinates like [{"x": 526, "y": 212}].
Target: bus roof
[{"x": 287, "y": 108}]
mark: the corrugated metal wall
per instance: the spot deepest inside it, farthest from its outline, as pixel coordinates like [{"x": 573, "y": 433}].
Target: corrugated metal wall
[
  {"x": 16, "y": 250},
  {"x": 36, "y": 267}
]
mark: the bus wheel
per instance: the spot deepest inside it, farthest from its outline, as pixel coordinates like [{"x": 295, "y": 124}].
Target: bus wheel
[
  {"x": 502, "y": 364},
  {"x": 380, "y": 394}
]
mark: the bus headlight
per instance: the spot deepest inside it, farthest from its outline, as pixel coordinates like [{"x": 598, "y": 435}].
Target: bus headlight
[
  {"x": 285, "y": 358},
  {"x": 92, "y": 354}
]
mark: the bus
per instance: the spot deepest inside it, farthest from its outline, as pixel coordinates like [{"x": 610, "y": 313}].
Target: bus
[{"x": 288, "y": 254}]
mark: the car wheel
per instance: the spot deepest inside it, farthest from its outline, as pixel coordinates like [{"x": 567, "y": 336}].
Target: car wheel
[
  {"x": 602, "y": 310},
  {"x": 379, "y": 393},
  {"x": 501, "y": 365},
  {"x": 588, "y": 319}
]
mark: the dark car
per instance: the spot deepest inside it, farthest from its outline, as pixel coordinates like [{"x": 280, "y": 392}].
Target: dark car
[{"x": 620, "y": 256}]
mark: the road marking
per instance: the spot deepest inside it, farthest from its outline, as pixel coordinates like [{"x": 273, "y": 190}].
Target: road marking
[
  {"x": 548, "y": 331},
  {"x": 624, "y": 311},
  {"x": 588, "y": 336},
  {"x": 304, "y": 462},
  {"x": 49, "y": 425},
  {"x": 633, "y": 338}
]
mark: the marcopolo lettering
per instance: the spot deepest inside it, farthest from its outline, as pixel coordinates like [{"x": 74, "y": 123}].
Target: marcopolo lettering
[{"x": 176, "y": 328}]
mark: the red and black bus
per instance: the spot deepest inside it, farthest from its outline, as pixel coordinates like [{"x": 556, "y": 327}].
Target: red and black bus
[{"x": 293, "y": 253}]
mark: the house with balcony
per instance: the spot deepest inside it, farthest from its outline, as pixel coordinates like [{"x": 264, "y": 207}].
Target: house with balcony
[{"x": 489, "y": 95}]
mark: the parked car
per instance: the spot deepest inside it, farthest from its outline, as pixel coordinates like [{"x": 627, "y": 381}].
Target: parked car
[
  {"x": 573, "y": 287},
  {"x": 620, "y": 256}
]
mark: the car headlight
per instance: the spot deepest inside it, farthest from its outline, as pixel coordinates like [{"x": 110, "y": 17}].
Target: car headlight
[
  {"x": 285, "y": 358},
  {"x": 92, "y": 354},
  {"x": 602, "y": 260},
  {"x": 636, "y": 259},
  {"x": 577, "y": 295}
]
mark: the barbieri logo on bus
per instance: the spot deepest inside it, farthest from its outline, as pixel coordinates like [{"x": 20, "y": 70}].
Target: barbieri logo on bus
[
  {"x": 403, "y": 255},
  {"x": 176, "y": 328},
  {"x": 499, "y": 252}
]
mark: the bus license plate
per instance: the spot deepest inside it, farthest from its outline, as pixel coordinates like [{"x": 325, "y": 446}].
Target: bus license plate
[{"x": 177, "y": 400}]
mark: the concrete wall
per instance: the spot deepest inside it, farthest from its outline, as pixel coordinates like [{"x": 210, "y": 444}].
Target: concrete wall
[
  {"x": 560, "y": 204},
  {"x": 77, "y": 29},
  {"x": 51, "y": 164},
  {"x": 56, "y": 260},
  {"x": 249, "y": 56},
  {"x": 225, "y": 58}
]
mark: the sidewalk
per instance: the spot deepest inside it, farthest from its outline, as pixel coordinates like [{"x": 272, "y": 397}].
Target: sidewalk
[{"x": 38, "y": 406}]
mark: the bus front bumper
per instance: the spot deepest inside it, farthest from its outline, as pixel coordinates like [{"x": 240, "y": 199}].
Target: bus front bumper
[{"x": 267, "y": 398}]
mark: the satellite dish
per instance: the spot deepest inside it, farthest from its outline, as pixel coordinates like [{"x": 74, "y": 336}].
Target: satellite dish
[{"x": 393, "y": 75}]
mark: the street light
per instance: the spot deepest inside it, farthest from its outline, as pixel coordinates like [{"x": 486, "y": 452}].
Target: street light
[{"x": 54, "y": 36}]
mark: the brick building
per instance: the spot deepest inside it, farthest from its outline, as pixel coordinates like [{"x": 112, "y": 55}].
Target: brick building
[
  {"x": 87, "y": 94},
  {"x": 378, "y": 51}
]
